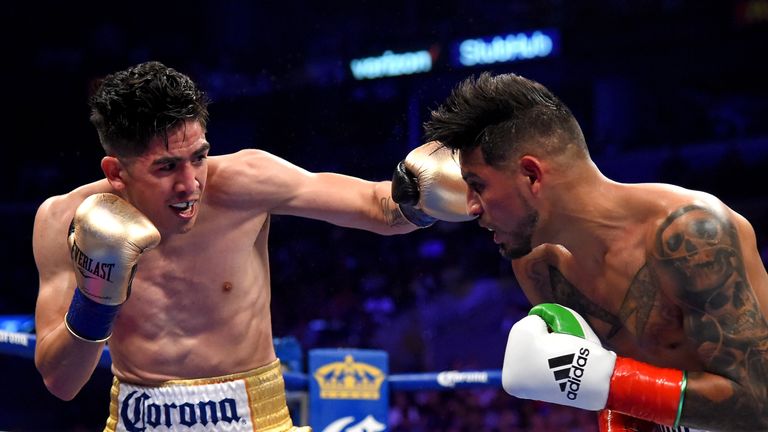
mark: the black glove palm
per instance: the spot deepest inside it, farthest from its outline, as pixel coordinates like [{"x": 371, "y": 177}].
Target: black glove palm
[{"x": 405, "y": 192}]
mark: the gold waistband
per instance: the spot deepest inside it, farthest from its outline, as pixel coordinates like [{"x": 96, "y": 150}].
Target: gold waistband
[
  {"x": 264, "y": 374},
  {"x": 264, "y": 386}
]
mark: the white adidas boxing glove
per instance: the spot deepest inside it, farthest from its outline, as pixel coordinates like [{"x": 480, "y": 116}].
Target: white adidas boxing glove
[
  {"x": 568, "y": 367},
  {"x": 553, "y": 355}
]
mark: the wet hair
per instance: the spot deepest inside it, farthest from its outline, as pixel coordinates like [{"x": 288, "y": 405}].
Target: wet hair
[
  {"x": 506, "y": 116},
  {"x": 132, "y": 106}
]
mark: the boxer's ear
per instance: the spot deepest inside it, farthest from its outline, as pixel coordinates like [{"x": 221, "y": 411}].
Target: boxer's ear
[
  {"x": 114, "y": 171},
  {"x": 530, "y": 167}
]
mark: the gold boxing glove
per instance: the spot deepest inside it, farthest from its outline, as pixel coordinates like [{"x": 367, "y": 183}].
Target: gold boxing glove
[
  {"x": 427, "y": 186},
  {"x": 106, "y": 238}
]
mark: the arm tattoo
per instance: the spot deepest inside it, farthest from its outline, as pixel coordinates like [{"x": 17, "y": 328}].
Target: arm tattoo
[
  {"x": 699, "y": 254},
  {"x": 392, "y": 214}
]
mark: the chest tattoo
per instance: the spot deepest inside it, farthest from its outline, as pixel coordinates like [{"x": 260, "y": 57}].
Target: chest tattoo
[
  {"x": 635, "y": 308},
  {"x": 567, "y": 294},
  {"x": 638, "y": 302}
]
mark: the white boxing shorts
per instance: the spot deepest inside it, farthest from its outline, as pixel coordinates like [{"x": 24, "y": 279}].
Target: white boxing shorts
[{"x": 247, "y": 401}]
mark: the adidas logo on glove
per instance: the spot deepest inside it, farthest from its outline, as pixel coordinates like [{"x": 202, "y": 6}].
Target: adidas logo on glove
[
  {"x": 562, "y": 345},
  {"x": 562, "y": 366}
]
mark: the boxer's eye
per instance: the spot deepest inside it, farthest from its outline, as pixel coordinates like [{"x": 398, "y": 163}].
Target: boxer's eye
[{"x": 476, "y": 187}]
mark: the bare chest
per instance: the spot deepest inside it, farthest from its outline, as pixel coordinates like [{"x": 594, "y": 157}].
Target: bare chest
[
  {"x": 202, "y": 277},
  {"x": 195, "y": 297},
  {"x": 622, "y": 300}
]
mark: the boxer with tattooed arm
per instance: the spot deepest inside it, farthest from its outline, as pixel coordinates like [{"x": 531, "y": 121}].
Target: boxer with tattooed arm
[{"x": 668, "y": 280}]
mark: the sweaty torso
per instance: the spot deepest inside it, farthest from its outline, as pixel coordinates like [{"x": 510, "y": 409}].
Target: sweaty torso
[
  {"x": 619, "y": 290},
  {"x": 200, "y": 308},
  {"x": 199, "y": 303}
]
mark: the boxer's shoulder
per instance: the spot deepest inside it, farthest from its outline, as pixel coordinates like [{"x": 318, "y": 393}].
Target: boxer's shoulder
[
  {"x": 663, "y": 205},
  {"x": 62, "y": 207},
  {"x": 255, "y": 182},
  {"x": 248, "y": 173},
  {"x": 658, "y": 200},
  {"x": 242, "y": 161}
]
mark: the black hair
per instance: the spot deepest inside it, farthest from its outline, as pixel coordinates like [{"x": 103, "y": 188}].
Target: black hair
[
  {"x": 505, "y": 115},
  {"x": 132, "y": 106}
]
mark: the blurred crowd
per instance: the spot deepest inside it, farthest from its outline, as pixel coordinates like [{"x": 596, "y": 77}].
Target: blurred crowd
[{"x": 488, "y": 410}]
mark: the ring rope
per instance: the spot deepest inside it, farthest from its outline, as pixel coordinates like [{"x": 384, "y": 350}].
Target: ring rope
[{"x": 21, "y": 344}]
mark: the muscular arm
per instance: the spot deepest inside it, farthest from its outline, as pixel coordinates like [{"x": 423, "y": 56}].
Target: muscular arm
[
  {"x": 709, "y": 266},
  {"x": 347, "y": 201},
  {"x": 65, "y": 362},
  {"x": 701, "y": 258},
  {"x": 265, "y": 180}
]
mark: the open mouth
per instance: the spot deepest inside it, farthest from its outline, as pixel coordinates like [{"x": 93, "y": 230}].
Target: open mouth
[{"x": 184, "y": 208}]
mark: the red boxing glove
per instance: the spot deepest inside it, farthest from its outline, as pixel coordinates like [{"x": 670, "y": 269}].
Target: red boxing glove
[
  {"x": 613, "y": 421},
  {"x": 648, "y": 392}
]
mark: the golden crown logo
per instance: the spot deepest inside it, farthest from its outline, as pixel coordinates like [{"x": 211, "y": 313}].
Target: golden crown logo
[{"x": 349, "y": 380}]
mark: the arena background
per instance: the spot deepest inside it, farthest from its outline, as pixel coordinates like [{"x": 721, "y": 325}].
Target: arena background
[{"x": 666, "y": 90}]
